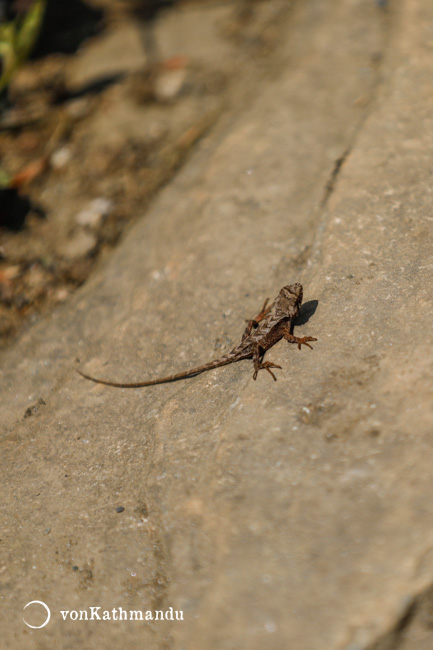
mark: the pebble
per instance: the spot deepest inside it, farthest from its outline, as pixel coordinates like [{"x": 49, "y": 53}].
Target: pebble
[
  {"x": 170, "y": 83},
  {"x": 61, "y": 157},
  {"x": 94, "y": 212}
]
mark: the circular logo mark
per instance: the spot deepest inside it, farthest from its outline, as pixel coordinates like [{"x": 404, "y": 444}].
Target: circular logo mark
[{"x": 47, "y": 609}]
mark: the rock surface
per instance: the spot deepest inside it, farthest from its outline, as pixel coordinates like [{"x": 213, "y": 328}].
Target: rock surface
[{"x": 294, "y": 514}]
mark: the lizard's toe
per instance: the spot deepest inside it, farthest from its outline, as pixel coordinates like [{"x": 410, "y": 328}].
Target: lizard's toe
[
  {"x": 304, "y": 341},
  {"x": 266, "y": 365}
]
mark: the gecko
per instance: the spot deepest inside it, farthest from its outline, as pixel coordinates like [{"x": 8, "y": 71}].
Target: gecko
[{"x": 271, "y": 324}]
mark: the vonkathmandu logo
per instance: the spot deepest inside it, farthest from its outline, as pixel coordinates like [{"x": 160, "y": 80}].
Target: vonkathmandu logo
[
  {"x": 43, "y": 614},
  {"x": 120, "y": 614}
]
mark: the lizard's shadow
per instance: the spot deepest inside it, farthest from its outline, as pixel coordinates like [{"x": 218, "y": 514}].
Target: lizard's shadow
[{"x": 307, "y": 310}]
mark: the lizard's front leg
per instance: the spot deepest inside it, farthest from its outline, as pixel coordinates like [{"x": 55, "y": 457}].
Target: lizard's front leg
[
  {"x": 262, "y": 365},
  {"x": 303, "y": 340},
  {"x": 254, "y": 322}
]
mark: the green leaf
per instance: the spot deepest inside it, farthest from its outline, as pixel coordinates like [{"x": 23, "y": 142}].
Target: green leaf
[
  {"x": 5, "y": 179},
  {"x": 28, "y": 31},
  {"x": 17, "y": 39}
]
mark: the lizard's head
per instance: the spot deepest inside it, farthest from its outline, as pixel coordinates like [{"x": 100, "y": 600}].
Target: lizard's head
[{"x": 289, "y": 300}]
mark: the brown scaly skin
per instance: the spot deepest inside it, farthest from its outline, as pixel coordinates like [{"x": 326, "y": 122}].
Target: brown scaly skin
[{"x": 262, "y": 332}]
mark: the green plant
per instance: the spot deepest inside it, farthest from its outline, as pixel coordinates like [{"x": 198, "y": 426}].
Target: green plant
[{"x": 17, "y": 39}]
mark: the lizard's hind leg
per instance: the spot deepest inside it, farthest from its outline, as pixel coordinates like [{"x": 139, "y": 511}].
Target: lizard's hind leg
[{"x": 262, "y": 365}]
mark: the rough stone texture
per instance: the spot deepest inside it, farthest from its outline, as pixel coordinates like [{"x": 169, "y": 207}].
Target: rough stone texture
[{"x": 294, "y": 514}]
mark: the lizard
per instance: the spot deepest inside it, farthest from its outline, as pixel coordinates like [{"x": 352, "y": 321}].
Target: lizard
[{"x": 271, "y": 324}]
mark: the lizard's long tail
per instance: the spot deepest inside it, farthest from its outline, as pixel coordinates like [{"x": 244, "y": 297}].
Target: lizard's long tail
[{"x": 222, "y": 361}]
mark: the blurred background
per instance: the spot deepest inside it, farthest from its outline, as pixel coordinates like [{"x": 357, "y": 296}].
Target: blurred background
[{"x": 101, "y": 101}]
